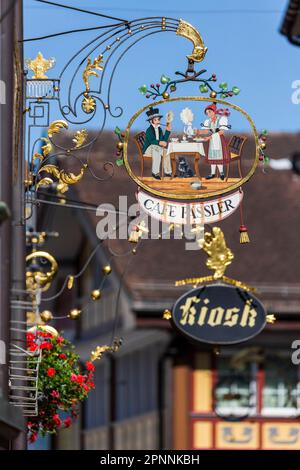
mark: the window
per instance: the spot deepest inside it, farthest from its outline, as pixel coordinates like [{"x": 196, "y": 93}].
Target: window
[
  {"x": 42, "y": 443},
  {"x": 97, "y": 404},
  {"x": 281, "y": 391},
  {"x": 268, "y": 385},
  {"x": 137, "y": 383},
  {"x": 235, "y": 391}
]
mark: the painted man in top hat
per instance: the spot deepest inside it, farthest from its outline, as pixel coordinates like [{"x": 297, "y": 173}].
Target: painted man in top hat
[{"x": 156, "y": 143}]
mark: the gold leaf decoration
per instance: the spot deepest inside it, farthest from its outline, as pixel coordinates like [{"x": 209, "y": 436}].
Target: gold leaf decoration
[
  {"x": 100, "y": 350},
  {"x": 56, "y": 126},
  {"x": 271, "y": 318},
  {"x": 39, "y": 66},
  {"x": 167, "y": 314},
  {"x": 46, "y": 149},
  {"x": 37, "y": 156},
  {"x": 219, "y": 255},
  {"x": 31, "y": 317},
  {"x": 70, "y": 282},
  {"x": 70, "y": 178},
  {"x": 62, "y": 188},
  {"x": 80, "y": 137},
  {"x": 88, "y": 104},
  {"x": 44, "y": 182},
  {"x": 90, "y": 70},
  {"x": 52, "y": 169},
  {"x": 43, "y": 277},
  {"x": 188, "y": 31}
]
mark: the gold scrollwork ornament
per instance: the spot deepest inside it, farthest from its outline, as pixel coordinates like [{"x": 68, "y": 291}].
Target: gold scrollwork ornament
[
  {"x": 36, "y": 278},
  {"x": 188, "y": 31}
]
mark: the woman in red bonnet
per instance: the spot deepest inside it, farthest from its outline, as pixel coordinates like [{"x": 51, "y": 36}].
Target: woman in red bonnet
[{"x": 215, "y": 126}]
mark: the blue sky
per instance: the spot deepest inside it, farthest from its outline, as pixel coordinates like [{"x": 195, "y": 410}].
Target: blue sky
[{"x": 244, "y": 49}]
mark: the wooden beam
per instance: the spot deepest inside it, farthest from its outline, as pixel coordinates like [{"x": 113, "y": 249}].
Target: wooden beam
[{"x": 180, "y": 406}]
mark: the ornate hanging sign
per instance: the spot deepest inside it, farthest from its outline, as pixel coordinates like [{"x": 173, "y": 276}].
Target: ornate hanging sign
[
  {"x": 221, "y": 310},
  {"x": 219, "y": 314},
  {"x": 189, "y": 148}
]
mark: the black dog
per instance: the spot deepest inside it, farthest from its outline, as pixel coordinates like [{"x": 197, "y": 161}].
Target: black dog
[{"x": 184, "y": 170}]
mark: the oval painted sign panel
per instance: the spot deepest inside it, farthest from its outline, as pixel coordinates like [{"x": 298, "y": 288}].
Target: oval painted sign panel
[
  {"x": 219, "y": 314},
  {"x": 186, "y": 155}
]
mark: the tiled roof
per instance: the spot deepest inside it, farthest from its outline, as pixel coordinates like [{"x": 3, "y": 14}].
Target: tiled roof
[{"x": 272, "y": 215}]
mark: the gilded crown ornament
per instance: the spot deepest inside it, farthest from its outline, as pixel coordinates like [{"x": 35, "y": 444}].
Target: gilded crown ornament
[
  {"x": 39, "y": 66},
  {"x": 219, "y": 258},
  {"x": 219, "y": 255}
]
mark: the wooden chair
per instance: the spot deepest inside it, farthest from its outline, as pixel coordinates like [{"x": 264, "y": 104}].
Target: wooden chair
[
  {"x": 139, "y": 140},
  {"x": 235, "y": 151}
]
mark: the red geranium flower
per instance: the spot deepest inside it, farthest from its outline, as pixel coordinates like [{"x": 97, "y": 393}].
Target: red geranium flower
[
  {"x": 71, "y": 384},
  {"x": 67, "y": 422},
  {"x": 30, "y": 337},
  {"x": 43, "y": 334},
  {"x": 32, "y": 347},
  {"x": 91, "y": 384},
  {"x": 46, "y": 345},
  {"x": 80, "y": 379},
  {"x": 90, "y": 366},
  {"x": 57, "y": 420},
  {"x": 51, "y": 371},
  {"x": 33, "y": 437}
]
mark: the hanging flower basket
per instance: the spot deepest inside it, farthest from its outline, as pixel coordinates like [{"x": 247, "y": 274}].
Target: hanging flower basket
[{"x": 62, "y": 384}]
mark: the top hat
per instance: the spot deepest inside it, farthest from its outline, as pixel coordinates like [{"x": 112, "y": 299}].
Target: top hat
[{"x": 153, "y": 113}]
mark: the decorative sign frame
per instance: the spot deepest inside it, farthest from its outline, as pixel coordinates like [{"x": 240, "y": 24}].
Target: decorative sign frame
[
  {"x": 192, "y": 195},
  {"x": 218, "y": 314}
]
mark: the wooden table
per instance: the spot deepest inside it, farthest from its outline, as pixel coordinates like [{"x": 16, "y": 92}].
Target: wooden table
[{"x": 189, "y": 149}]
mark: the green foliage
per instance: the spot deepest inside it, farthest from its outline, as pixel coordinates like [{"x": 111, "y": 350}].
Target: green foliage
[
  {"x": 143, "y": 89},
  {"x": 61, "y": 383},
  {"x": 203, "y": 88}
]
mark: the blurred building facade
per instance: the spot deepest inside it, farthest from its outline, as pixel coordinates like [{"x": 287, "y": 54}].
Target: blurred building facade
[{"x": 159, "y": 391}]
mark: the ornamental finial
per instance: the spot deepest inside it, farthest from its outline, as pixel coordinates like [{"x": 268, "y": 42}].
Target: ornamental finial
[{"x": 39, "y": 66}]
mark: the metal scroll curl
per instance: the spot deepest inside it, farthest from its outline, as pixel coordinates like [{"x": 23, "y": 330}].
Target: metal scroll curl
[
  {"x": 41, "y": 269},
  {"x": 109, "y": 48},
  {"x": 93, "y": 68}
]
